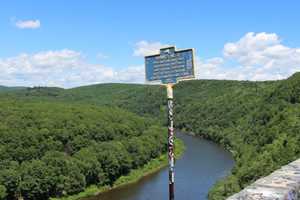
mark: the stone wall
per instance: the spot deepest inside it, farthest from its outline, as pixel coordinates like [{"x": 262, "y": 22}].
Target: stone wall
[{"x": 283, "y": 184}]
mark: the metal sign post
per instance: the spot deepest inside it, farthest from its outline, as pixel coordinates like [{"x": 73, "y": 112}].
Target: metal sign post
[
  {"x": 169, "y": 67},
  {"x": 170, "y": 141}
]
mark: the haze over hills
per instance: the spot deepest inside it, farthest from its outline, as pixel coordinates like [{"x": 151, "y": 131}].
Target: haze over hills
[
  {"x": 5, "y": 88},
  {"x": 257, "y": 121}
]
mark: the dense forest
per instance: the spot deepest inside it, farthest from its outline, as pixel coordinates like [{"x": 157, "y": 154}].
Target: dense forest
[
  {"x": 54, "y": 149},
  {"x": 257, "y": 121}
]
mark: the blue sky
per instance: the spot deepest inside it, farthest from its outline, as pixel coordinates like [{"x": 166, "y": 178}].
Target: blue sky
[{"x": 114, "y": 36}]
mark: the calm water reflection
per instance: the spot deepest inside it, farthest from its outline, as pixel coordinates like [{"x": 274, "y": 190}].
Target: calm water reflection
[{"x": 199, "y": 168}]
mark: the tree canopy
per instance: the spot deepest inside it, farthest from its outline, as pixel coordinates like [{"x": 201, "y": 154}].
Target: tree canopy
[
  {"x": 52, "y": 149},
  {"x": 257, "y": 121}
]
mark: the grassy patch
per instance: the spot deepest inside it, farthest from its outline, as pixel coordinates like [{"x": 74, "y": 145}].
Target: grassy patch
[{"x": 134, "y": 176}]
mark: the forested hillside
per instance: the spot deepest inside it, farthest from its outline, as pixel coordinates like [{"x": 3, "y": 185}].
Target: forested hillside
[
  {"x": 54, "y": 149},
  {"x": 141, "y": 99},
  {"x": 257, "y": 121}
]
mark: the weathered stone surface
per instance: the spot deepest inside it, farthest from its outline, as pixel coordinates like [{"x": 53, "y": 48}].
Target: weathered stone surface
[{"x": 283, "y": 184}]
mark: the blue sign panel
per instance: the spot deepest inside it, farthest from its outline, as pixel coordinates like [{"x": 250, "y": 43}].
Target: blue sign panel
[{"x": 170, "y": 65}]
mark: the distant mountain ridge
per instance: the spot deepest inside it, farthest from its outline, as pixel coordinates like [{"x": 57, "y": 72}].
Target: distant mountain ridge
[{"x": 6, "y": 88}]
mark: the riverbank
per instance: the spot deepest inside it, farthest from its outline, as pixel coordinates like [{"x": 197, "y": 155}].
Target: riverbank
[
  {"x": 218, "y": 186},
  {"x": 134, "y": 176},
  {"x": 227, "y": 148}
]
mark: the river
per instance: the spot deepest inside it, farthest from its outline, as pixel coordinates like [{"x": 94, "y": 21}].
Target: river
[{"x": 202, "y": 164}]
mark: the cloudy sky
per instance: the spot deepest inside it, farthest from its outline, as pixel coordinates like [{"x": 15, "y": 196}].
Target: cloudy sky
[{"x": 72, "y": 43}]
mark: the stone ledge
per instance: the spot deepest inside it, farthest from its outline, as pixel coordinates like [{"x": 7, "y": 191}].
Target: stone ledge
[{"x": 283, "y": 184}]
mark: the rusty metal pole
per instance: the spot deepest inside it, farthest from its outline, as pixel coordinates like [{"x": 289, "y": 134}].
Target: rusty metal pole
[{"x": 170, "y": 141}]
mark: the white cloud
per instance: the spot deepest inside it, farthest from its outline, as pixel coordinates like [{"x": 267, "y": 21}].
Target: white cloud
[
  {"x": 102, "y": 56},
  {"x": 260, "y": 56},
  {"x": 145, "y": 48},
  {"x": 63, "y": 68},
  {"x": 132, "y": 74},
  {"x": 28, "y": 24},
  {"x": 255, "y": 56}
]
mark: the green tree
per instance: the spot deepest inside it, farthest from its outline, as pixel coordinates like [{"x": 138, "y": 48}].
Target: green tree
[
  {"x": 2, "y": 192},
  {"x": 35, "y": 183},
  {"x": 86, "y": 160}
]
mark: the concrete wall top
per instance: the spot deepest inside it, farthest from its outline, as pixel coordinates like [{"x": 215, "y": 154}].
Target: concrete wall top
[{"x": 283, "y": 184}]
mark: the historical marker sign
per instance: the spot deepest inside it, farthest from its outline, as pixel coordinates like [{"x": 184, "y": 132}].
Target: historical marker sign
[{"x": 170, "y": 66}]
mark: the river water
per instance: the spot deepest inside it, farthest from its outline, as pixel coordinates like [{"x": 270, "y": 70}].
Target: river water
[{"x": 202, "y": 164}]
